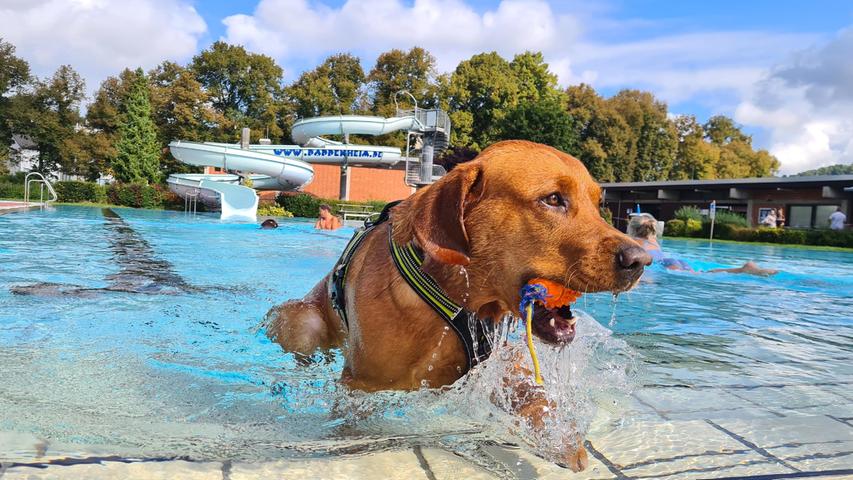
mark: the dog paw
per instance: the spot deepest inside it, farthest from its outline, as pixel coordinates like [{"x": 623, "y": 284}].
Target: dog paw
[{"x": 575, "y": 460}]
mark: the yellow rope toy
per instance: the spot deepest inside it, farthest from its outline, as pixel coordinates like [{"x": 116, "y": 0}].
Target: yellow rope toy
[{"x": 551, "y": 295}]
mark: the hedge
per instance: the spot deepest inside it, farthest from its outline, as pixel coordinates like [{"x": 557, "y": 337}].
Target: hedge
[
  {"x": 306, "y": 205},
  {"x": 77, "y": 192},
  {"x": 136, "y": 195},
  {"x": 824, "y": 237},
  {"x": 12, "y": 190}
]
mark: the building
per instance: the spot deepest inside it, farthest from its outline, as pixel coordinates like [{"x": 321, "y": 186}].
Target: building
[
  {"x": 364, "y": 183},
  {"x": 806, "y": 201},
  {"x": 24, "y": 154}
]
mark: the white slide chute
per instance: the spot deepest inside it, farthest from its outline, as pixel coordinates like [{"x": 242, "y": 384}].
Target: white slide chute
[{"x": 286, "y": 167}]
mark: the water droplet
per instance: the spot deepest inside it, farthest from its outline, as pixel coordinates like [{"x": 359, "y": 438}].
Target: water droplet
[{"x": 429, "y": 368}]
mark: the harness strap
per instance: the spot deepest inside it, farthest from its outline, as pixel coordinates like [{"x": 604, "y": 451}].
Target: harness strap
[
  {"x": 408, "y": 259},
  {"x": 339, "y": 273}
]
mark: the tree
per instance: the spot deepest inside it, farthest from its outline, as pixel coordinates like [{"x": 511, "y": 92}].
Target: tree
[
  {"x": 49, "y": 114},
  {"x": 654, "y": 140},
  {"x": 244, "y": 87},
  {"x": 14, "y": 74},
  {"x": 137, "y": 150},
  {"x": 535, "y": 80},
  {"x": 333, "y": 88},
  {"x": 480, "y": 91},
  {"x": 839, "y": 169},
  {"x": 721, "y": 130},
  {"x": 396, "y": 70},
  {"x": 543, "y": 121},
  {"x": 181, "y": 111}
]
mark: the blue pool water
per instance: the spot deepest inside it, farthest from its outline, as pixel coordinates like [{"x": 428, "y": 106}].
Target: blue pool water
[{"x": 141, "y": 334}]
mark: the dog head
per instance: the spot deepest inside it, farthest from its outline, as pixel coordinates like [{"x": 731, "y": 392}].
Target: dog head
[{"x": 520, "y": 211}]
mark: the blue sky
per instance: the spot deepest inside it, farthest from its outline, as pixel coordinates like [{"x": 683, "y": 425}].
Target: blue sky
[{"x": 779, "y": 68}]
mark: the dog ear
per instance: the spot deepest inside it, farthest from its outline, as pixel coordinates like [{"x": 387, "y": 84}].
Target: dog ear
[{"x": 440, "y": 230}]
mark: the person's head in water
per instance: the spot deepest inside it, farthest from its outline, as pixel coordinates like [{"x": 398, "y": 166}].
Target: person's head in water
[
  {"x": 646, "y": 228},
  {"x": 269, "y": 224},
  {"x": 325, "y": 211}
]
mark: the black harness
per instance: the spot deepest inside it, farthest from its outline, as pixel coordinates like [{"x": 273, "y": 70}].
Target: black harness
[{"x": 408, "y": 259}]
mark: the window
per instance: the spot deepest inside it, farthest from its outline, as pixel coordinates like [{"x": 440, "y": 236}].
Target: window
[
  {"x": 810, "y": 216},
  {"x": 801, "y": 216},
  {"x": 822, "y": 213}
]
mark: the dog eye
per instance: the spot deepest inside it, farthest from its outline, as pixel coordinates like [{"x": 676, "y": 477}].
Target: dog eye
[{"x": 554, "y": 200}]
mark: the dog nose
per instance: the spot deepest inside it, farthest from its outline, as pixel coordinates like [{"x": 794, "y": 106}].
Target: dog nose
[{"x": 633, "y": 258}]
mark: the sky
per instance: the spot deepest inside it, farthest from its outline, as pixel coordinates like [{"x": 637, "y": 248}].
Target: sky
[{"x": 782, "y": 69}]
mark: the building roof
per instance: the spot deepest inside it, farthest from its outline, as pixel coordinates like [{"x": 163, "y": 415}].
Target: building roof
[
  {"x": 23, "y": 142},
  {"x": 764, "y": 182}
]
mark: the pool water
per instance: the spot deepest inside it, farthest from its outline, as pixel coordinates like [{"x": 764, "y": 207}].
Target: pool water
[{"x": 134, "y": 332}]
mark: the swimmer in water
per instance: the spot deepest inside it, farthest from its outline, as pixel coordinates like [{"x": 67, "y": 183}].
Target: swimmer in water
[
  {"x": 269, "y": 224},
  {"x": 644, "y": 233}
]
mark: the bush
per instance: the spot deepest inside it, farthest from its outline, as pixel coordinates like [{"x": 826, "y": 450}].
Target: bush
[
  {"x": 306, "y": 205},
  {"x": 273, "y": 211},
  {"x": 135, "y": 195},
  {"x": 606, "y": 214},
  {"x": 76, "y": 192},
  {"x": 693, "y": 228},
  {"x": 674, "y": 228},
  {"x": 688, "y": 213},
  {"x": 300, "y": 204},
  {"x": 12, "y": 190},
  {"x": 726, "y": 217}
]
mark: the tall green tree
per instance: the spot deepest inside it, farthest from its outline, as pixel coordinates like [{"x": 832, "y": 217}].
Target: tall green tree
[
  {"x": 49, "y": 113},
  {"x": 543, "y": 121},
  {"x": 654, "y": 140},
  {"x": 14, "y": 75},
  {"x": 479, "y": 93},
  {"x": 535, "y": 80},
  {"x": 335, "y": 87},
  {"x": 181, "y": 110},
  {"x": 137, "y": 150},
  {"x": 396, "y": 70},
  {"x": 244, "y": 87}
]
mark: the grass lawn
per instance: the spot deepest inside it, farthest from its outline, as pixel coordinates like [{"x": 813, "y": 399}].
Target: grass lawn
[{"x": 770, "y": 244}]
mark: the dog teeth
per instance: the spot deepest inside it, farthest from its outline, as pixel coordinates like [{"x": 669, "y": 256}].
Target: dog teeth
[{"x": 552, "y": 323}]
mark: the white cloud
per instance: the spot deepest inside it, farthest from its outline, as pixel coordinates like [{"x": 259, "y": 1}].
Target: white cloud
[
  {"x": 100, "y": 37},
  {"x": 450, "y": 29},
  {"x": 806, "y": 103}
]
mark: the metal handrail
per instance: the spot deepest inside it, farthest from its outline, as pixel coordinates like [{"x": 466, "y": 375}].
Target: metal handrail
[{"x": 44, "y": 182}]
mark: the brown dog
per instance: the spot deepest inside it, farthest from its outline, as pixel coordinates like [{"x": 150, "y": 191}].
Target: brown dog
[{"x": 518, "y": 211}]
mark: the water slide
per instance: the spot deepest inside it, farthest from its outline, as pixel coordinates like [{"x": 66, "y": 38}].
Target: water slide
[
  {"x": 236, "y": 201},
  {"x": 285, "y": 167}
]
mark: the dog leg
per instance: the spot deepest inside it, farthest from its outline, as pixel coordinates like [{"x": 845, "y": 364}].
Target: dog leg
[{"x": 304, "y": 326}]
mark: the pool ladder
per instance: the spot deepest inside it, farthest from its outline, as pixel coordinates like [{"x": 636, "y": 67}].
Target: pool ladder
[{"x": 43, "y": 182}]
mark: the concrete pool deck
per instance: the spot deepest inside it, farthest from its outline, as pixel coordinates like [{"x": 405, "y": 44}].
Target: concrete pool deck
[
  {"x": 7, "y": 206},
  {"x": 758, "y": 431}
]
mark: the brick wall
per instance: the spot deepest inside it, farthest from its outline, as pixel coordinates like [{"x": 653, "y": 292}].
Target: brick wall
[{"x": 365, "y": 183}]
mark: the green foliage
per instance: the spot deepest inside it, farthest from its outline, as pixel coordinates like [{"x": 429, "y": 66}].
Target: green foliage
[
  {"x": 396, "y": 70},
  {"x": 726, "y": 217},
  {"x": 544, "y": 121},
  {"x": 77, "y": 192},
  {"x": 137, "y": 150},
  {"x": 272, "y": 210},
  {"x": 693, "y": 228},
  {"x": 11, "y": 190},
  {"x": 136, "y": 195},
  {"x": 308, "y": 206},
  {"x": 840, "y": 169},
  {"x": 688, "y": 213},
  {"x": 300, "y": 204},
  {"x": 606, "y": 214},
  {"x": 245, "y": 88},
  {"x": 674, "y": 228},
  {"x": 332, "y": 88}
]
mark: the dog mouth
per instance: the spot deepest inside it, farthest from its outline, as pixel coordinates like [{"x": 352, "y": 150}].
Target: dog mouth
[{"x": 554, "y": 325}]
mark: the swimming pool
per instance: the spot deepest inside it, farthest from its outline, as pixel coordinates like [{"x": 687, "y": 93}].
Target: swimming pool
[{"x": 134, "y": 333}]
